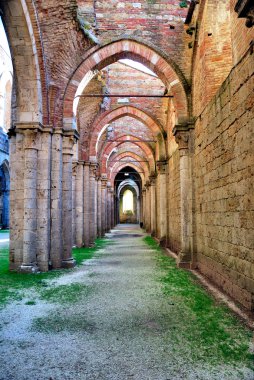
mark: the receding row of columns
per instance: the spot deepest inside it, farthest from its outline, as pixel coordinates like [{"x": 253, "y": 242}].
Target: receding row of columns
[
  {"x": 53, "y": 206},
  {"x": 155, "y": 210},
  {"x": 92, "y": 205}
]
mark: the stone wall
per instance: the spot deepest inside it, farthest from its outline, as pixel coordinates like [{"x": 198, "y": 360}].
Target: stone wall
[{"x": 223, "y": 175}]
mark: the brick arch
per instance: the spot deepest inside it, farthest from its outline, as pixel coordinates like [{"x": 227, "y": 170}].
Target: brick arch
[
  {"x": 31, "y": 78},
  {"x": 104, "y": 156},
  {"x": 110, "y": 116},
  {"x": 132, "y": 155},
  {"x": 118, "y": 167},
  {"x": 166, "y": 69},
  {"x": 141, "y": 165}
]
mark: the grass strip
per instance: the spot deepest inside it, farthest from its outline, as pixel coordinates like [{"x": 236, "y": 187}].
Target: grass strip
[
  {"x": 13, "y": 284},
  {"x": 210, "y": 330}
]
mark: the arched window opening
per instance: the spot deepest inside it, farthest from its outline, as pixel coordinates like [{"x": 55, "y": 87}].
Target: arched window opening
[{"x": 128, "y": 206}]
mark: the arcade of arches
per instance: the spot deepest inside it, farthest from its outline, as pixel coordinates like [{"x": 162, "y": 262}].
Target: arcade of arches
[{"x": 151, "y": 100}]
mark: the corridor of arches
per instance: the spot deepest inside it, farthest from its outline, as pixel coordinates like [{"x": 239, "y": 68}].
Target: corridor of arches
[
  {"x": 138, "y": 113},
  {"x": 126, "y": 136}
]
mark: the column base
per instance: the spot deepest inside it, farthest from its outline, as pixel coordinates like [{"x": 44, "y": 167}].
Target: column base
[
  {"x": 184, "y": 260},
  {"x": 28, "y": 268},
  {"x": 163, "y": 242},
  {"x": 70, "y": 263}
]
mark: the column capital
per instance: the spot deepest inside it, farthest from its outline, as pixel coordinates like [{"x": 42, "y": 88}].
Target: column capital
[
  {"x": 161, "y": 166},
  {"x": 71, "y": 133},
  {"x": 93, "y": 169},
  {"x": 104, "y": 182},
  {"x": 182, "y": 134},
  {"x": 147, "y": 184},
  {"x": 152, "y": 179}
]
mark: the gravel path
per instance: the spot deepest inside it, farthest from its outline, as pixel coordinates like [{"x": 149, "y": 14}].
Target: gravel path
[{"x": 119, "y": 328}]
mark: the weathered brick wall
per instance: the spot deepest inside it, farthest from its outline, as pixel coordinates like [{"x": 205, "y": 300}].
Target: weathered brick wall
[
  {"x": 87, "y": 111},
  {"x": 240, "y": 34},
  {"x": 223, "y": 167},
  {"x": 158, "y": 22},
  {"x": 124, "y": 79},
  {"x": 212, "y": 52}
]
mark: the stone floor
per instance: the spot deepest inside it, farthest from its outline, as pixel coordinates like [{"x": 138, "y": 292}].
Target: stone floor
[{"x": 117, "y": 329}]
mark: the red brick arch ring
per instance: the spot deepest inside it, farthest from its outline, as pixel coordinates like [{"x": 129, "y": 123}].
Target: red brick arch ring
[
  {"x": 109, "y": 147},
  {"x": 110, "y": 116},
  {"x": 166, "y": 69},
  {"x": 129, "y": 155},
  {"x": 117, "y": 167}
]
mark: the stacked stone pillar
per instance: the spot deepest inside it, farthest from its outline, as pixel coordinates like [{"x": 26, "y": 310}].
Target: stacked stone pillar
[
  {"x": 68, "y": 142},
  {"x": 109, "y": 209},
  {"x": 182, "y": 135},
  {"x": 144, "y": 207},
  {"x": 43, "y": 199},
  {"x": 99, "y": 232},
  {"x": 162, "y": 202},
  {"x": 56, "y": 246},
  {"x": 30, "y": 144},
  {"x": 148, "y": 207},
  {"x": 112, "y": 209},
  {"x": 153, "y": 204},
  {"x": 92, "y": 201},
  {"x": 74, "y": 173},
  {"x": 86, "y": 202},
  {"x": 103, "y": 205},
  {"x": 79, "y": 196}
]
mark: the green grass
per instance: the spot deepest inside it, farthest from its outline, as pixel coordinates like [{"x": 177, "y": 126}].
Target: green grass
[
  {"x": 55, "y": 323},
  {"x": 13, "y": 285},
  {"x": 206, "y": 326},
  {"x": 66, "y": 293}
]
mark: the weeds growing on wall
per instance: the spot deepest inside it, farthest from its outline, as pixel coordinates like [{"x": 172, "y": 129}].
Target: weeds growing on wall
[{"x": 206, "y": 326}]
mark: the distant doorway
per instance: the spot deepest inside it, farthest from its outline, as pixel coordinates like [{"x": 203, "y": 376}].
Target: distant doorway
[{"x": 128, "y": 206}]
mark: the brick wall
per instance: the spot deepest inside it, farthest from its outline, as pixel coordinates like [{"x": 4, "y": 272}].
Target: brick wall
[{"x": 212, "y": 52}]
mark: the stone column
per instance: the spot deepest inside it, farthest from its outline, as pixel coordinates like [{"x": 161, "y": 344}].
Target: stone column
[
  {"x": 182, "y": 136},
  {"x": 116, "y": 209},
  {"x": 99, "y": 234},
  {"x": 92, "y": 197},
  {"x": 74, "y": 172},
  {"x": 103, "y": 205},
  {"x": 162, "y": 201},
  {"x": 108, "y": 207},
  {"x": 95, "y": 208},
  {"x": 112, "y": 209},
  {"x": 138, "y": 209},
  {"x": 86, "y": 195},
  {"x": 69, "y": 138},
  {"x": 79, "y": 196},
  {"x": 56, "y": 245},
  {"x": 29, "y": 263},
  {"x": 43, "y": 199},
  {"x": 153, "y": 204},
  {"x": 16, "y": 239},
  {"x": 148, "y": 207},
  {"x": 144, "y": 207}
]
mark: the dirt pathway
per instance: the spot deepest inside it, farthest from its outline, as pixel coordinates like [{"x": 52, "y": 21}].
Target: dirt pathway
[{"x": 111, "y": 321}]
